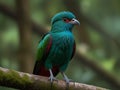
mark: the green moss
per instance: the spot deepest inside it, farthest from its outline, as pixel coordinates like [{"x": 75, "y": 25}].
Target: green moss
[
  {"x": 1, "y": 75},
  {"x": 53, "y": 87},
  {"x": 20, "y": 79},
  {"x": 13, "y": 77}
]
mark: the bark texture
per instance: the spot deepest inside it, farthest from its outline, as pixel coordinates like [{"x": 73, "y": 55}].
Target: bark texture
[{"x": 25, "y": 81}]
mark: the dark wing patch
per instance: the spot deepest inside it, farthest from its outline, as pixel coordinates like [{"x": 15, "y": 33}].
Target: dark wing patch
[
  {"x": 36, "y": 69},
  {"x": 74, "y": 49}
]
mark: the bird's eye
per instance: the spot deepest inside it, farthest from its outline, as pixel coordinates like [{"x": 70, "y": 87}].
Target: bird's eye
[{"x": 66, "y": 20}]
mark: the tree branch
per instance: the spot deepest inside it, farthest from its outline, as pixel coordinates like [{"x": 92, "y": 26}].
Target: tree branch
[{"x": 25, "y": 81}]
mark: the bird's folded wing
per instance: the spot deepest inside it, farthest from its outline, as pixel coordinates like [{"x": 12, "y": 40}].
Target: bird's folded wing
[{"x": 42, "y": 52}]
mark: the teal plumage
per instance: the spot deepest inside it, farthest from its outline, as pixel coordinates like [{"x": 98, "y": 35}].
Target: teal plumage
[{"x": 57, "y": 47}]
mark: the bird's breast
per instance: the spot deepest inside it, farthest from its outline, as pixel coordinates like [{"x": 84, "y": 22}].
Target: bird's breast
[
  {"x": 64, "y": 40},
  {"x": 62, "y": 47}
]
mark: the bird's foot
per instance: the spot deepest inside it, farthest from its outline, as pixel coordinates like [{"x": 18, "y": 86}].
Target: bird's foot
[
  {"x": 67, "y": 80},
  {"x": 52, "y": 78}
]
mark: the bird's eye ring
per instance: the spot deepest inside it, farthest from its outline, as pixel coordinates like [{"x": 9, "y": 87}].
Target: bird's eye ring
[
  {"x": 66, "y": 20},
  {"x": 73, "y": 20}
]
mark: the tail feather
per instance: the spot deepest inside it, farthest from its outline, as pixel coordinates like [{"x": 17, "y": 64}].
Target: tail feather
[
  {"x": 40, "y": 69},
  {"x": 36, "y": 68}
]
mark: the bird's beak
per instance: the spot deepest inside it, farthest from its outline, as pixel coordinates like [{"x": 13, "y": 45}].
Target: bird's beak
[{"x": 74, "y": 21}]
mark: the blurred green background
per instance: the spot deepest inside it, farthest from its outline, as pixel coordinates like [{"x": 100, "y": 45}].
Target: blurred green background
[{"x": 97, "y": 59}]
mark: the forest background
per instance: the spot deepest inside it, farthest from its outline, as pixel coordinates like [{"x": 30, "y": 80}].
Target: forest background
[{"x": 97, "y": 59}]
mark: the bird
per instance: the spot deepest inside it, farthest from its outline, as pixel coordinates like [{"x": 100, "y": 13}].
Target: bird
[{"x": 57, "y": 47}]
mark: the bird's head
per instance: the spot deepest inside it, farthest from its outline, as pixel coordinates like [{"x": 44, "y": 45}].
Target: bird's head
[{"x": 64, "y": 21}]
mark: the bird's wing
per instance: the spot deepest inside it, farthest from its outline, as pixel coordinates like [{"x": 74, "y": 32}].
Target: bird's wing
[
  {"x": 74, "y": 48},
  {"x": 42, "y": 52}
]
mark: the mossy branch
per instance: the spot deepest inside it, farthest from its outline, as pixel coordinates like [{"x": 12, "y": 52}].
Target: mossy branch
[{"x": 25, "y": 81}]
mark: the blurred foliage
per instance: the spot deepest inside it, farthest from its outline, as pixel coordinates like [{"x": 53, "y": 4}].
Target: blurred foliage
[{"x": 104, "y": 51}]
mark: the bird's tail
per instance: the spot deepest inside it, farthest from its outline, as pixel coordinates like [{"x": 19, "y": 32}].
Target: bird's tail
[{"x": 39, "y": 69}]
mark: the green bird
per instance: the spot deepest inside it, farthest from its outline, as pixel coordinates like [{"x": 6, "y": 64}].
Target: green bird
[{"x": 57, "y": 47}]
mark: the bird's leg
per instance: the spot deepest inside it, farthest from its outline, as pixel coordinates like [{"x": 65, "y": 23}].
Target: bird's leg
[
  {"x": 52, "y": 78},
  {"x": 66, "y": 78}
]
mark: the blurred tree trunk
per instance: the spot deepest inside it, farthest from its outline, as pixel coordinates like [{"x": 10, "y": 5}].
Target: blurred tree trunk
[
  {"x": 45, "y": 9},
  {"x": 25, "y": 46},
  {"x": 0, "y": 47}
]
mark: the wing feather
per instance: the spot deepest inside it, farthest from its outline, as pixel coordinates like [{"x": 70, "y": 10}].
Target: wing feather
[
  {"x": 74, "y": 49},
  {"x": 42, "y": 52}
]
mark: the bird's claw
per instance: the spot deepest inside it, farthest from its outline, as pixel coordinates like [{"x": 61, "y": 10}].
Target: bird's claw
[
  {"x": 51, "y": 79},
  {"x": 68, "y": 80}
]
